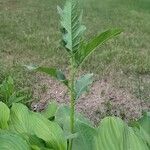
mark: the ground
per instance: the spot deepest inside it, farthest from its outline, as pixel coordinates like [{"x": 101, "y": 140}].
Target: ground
[
  {"x": 102, "y": 99},
  {"x": 29, "y": 34}
]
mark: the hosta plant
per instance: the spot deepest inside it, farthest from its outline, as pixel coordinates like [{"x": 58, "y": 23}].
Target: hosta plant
[{"x": 22, "y": 129}]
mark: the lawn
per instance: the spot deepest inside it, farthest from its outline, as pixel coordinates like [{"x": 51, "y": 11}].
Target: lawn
[{"x": 29, "y": 34}]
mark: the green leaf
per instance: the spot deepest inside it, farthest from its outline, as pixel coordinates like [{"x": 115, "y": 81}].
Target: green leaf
[
  {"x": 50, "y": 132},
  {"x": 8, "y": 94},
  {"x": 142, "y": 127},
  {"x": 71, "y": 22},
  {"x": 81, "y": 85},
  {"x": 50, "y": 110},
  {"x": 4, "y": 116},
  {"x": 20, "y": 119},
  {"x": 31, "y": 123},
  {"x": 9, "y": 141},
  {"x": 8, "y": 86},
  {"x": 114, "y": 134},
  {"x": 6, "y": 89},
  {"x": 84, "y": 132},
  {"x": 143, "y": 134},
  {"x": 14, "y": 99},
  {"x": 36, "y": 142},
  {"x": 88, "y": 48},
  {"x": 145, "y": 122},
  {"x": 85, "y": 138},
  {"x": 62, "y": 117},
  {"x": 53, "y": 72}
]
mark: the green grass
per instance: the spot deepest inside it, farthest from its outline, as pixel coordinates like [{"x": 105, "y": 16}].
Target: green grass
[{"x": 29, "y": 33}]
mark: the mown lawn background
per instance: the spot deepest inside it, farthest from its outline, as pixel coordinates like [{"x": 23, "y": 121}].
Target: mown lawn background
[{"x": 29, "y": 34}]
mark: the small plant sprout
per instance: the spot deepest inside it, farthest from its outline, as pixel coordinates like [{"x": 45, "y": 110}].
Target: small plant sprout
[{"x": 78, "y": 50}]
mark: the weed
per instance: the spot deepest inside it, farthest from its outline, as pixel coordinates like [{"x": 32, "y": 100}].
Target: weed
[{"x": 78, "y": 50}]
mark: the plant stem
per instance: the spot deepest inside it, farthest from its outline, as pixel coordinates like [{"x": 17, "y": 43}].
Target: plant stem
[{"x": 72, "y": 99}]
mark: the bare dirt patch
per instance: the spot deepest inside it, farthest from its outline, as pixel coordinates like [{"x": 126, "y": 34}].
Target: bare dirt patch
[{"x": 102, "y": 99}]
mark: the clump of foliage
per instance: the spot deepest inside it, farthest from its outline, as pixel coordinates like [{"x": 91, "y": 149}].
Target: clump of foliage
[
  {"x": 22, "y": 129},
  {"x": 60, "y": 127},
  {"x": 8, "y": 93}
]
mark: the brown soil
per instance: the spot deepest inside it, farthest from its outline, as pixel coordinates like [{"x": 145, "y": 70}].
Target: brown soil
[{"x": 102, "y": 99}]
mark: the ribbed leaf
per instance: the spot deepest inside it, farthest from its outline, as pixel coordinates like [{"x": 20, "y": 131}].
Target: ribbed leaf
[
  {"x": 71, "y": 17},
  {"x": 81, "y": 85},
  {"x": 9, "y": 141},
  {"x": 25, "y": 121},
  {"x": 50, "y": 132},
  {"x": 20, "y": 119},
  {"x": 4, "y": 116},
  {"x": 88, "y": 48},
  {"x": 53, "y": 72},
  {"x": 114, "y": 134}
]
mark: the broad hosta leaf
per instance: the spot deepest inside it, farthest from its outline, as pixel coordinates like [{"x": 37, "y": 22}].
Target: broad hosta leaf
[
  {"x": 53, "y": 72},
  {"x": 71, "y": 17},
  {"x": 50, "y": 132},
  {"x": 9, "y": 141},
  {"x": 25, "y": 121},
  {"x": 50, "y": 111},
  {"x": 20, "y": 119},
  {"x": 81, "y": 85},
  {"x": 114, "y": 134},
  {"x": 4, "y": 116},
  {"x": 88, "y": 48},
  {"x": 84, "y": 131}
]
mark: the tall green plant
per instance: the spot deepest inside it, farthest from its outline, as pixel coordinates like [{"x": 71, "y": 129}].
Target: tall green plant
[{"x": 78, "y": 50}]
